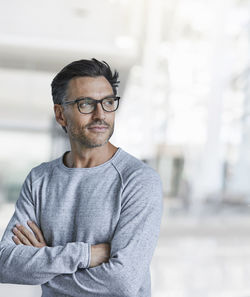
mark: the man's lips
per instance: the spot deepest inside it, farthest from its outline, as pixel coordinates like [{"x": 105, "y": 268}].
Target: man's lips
[{"x": 98, "y": 128}]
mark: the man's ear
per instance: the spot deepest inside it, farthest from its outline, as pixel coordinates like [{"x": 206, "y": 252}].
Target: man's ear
[{"x": 60, "y": 118}]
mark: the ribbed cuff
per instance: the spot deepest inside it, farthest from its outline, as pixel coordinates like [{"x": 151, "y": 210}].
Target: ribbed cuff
[
  {"x": 89, "y": 255},
  {"x": 85, "y": 255}
]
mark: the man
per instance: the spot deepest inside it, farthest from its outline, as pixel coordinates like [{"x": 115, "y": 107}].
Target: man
[{"x": 87, "y": 223}]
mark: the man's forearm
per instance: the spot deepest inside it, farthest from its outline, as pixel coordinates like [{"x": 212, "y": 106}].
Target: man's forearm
[
  {"x": 22, "y": 264},
  {"x": 99, "y": 253}
]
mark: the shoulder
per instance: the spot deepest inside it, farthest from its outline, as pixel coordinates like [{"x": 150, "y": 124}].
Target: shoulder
[
  {"x": 133, "y": 170},
  {"x": 141, "y": 184},
  {"x": 41, "y": 170}
]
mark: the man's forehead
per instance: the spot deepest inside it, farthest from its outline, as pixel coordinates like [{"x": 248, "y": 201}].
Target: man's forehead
[
  {"x": 86, "y": 85},
  {"x": 84, "y": 81}
]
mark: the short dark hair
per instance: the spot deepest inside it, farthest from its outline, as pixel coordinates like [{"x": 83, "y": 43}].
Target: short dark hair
[{"x": 92, "y": 68}]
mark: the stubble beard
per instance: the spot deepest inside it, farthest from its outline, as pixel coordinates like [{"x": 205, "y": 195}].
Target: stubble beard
[{"x": 79, "y": 135}]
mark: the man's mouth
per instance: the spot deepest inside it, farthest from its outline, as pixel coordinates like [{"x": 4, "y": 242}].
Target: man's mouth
[{"x": 98, "y": 128}]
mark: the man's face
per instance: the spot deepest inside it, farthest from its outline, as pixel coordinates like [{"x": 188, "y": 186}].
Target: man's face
[{"x": 80, "y": 126}]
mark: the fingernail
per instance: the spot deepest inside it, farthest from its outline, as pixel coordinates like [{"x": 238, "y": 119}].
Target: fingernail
[
  {"x": 29, "y": 221},
  {"x": 18, "y": 225}
]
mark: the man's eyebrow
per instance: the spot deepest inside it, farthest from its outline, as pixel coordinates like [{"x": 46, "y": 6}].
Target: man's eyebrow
[{"x": 87, "y": 97}]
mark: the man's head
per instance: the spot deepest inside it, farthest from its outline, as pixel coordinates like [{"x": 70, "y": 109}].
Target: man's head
[{"x": 84, "y": 79}]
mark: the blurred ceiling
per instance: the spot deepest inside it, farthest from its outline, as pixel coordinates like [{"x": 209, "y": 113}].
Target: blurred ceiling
[{"x": 45, "y": 35}]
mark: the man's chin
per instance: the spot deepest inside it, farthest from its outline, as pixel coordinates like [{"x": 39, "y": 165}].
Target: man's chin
[{"x": 93, "y": 144}]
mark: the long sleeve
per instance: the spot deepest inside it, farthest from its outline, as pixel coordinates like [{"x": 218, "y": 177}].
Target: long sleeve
[
  {"x": 20, "y": 264},
  {"x": 132, "y": 245}
]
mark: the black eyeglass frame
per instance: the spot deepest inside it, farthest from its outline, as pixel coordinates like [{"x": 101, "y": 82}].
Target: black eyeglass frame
[{"x": 95, "y": 101}]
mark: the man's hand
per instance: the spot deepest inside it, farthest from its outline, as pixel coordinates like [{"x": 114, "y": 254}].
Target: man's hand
[
  {"x": 24, "y": 236},
  {"x": 100, "y": 253}
]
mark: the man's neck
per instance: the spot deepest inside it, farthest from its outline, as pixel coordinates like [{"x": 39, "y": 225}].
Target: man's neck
[{"x": 87, "y": 158}]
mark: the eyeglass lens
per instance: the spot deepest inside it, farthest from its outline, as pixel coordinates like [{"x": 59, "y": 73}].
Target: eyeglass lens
[{"x": 87, "y": 105}]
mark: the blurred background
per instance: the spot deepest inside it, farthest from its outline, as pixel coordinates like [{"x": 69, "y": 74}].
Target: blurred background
[{"x": 185, "y": 110}]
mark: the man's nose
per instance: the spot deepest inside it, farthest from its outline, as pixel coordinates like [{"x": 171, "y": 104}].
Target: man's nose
[{"x": 99, "y": 112}]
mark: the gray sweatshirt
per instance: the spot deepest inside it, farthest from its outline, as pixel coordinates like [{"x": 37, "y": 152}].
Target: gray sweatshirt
[{"x": 118, "y": 202}]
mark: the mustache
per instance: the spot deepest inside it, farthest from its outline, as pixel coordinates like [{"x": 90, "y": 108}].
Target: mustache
[{"x": 101, "y": 123}]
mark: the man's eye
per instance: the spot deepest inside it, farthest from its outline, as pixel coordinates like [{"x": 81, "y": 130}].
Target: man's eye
[
  {"x": 109, "y": 102},
  {"x": 86, "y": 103}
]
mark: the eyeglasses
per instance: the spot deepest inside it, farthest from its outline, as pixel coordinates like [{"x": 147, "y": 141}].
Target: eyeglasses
[{"x": 87, "y": 105}]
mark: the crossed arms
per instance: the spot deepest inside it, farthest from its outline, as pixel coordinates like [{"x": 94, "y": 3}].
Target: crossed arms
[
  {"x": 100, "y": 253},
  {"x": 68, "y": 268}
]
